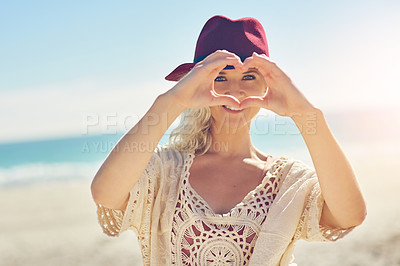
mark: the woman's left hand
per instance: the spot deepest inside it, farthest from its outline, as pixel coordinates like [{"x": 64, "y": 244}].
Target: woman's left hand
[{"x": 282, "y": 96}]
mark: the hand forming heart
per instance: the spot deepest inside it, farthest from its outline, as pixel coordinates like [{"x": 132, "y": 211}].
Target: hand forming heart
[
  {"x": 196, "y": 89},
  {"x": 282, "y": 96}
]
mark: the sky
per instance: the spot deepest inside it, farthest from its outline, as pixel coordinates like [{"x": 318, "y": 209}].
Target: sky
[{"x": 70, "y": 68}]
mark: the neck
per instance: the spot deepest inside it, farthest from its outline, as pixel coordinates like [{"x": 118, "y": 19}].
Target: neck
[{"x": 228, "y": 142}]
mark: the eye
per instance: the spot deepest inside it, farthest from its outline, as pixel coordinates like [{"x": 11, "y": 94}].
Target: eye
[
  {"x": 220, "y": 78},
  {"x": 249, "y": 77}
]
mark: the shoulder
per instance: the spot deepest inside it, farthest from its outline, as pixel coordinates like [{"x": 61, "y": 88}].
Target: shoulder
[
  {"x": 165, "y": 165},
  {"x": 291, "y": 170},
  {"x": 275, "y": 161},
  {"x": 293, "y": 165},
  {"x": 169, "y": 155},
  {"x": 297, "y": 174},
  {"x": 298, "y": 167},
  {"x": 282, "y": 162}
]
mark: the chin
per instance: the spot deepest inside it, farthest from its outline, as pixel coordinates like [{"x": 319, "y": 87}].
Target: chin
[{"x": 230, "y": 126}]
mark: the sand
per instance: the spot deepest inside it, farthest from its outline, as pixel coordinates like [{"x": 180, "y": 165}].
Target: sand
[
  {"x": 377, "y": 240},
  {"x": 55, "y": 223}
]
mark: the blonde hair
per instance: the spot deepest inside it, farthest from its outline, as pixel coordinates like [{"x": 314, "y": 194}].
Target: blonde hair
[{"x": 193, "y": 133}]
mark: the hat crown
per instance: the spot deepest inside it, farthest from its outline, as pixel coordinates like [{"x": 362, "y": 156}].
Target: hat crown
[{"x": 241, "y": 37}]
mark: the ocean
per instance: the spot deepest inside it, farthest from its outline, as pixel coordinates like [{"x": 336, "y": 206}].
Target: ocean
[{"x": 80, "y": 157}]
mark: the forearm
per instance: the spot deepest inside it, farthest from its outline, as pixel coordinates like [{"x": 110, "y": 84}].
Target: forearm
[
  {"x": 126, "y": 162},
  {"x": 344, "y": 204}
]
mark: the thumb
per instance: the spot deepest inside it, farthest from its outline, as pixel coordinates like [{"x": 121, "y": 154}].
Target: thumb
[
  {"x": 253, "y": 101},
  {"x": 219, "y": 99}
]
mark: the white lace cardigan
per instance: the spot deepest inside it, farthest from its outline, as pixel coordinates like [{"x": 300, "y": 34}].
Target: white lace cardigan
[{"x": 293, "y": 214}]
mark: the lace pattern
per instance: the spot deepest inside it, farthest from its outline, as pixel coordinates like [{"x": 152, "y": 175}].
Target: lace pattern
[
  {"x": 309, "y": 228},
  {"x": 202, "y": 237},
  {"x": 110, "y": 220},
  {"x": 175, "y": 225},
  {"x": 139, "y": 208}
]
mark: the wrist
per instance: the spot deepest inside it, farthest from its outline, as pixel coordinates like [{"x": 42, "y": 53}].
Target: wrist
[
  {"x": 304, "y": 113},
  {"x": 171, "y": 102},
  {"x": 307, "y": 119}
]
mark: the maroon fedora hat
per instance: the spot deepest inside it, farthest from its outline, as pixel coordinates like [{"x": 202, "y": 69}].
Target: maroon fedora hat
[{"x": 241, "y": 37}]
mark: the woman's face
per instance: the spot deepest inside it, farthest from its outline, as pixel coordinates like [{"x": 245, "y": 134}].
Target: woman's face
[{"x": 240, "y": 85}]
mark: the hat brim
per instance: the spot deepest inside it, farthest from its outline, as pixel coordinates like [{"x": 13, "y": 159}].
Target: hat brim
[{"x": 180, "y": 72}]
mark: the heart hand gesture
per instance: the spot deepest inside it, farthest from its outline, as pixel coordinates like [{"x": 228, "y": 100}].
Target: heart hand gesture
[
  {"x": 196, "y": 89},
  {"x": 282, "y": 96}
]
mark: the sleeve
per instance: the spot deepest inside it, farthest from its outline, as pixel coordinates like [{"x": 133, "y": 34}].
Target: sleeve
[
  {"x": 309, "y": 228},
  {"x": 137, "y": 215}
]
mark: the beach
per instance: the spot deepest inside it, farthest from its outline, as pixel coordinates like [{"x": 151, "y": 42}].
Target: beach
[
  {"x": 78, "y": 76},
  {"x": 377, "y": 240},
  {"x": 55, "y": 223}
]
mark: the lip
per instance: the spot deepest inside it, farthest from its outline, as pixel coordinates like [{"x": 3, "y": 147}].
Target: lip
[{"x": 232, "y": 111}]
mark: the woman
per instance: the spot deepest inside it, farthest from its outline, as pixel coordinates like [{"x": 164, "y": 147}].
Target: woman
[{"x": 210, "y": 197}]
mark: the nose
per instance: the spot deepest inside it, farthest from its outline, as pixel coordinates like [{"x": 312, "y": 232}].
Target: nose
[{"x": 235, "y": 90}]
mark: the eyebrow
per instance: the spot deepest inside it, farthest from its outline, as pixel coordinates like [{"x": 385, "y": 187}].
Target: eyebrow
[{"x": 250, "y": 71}]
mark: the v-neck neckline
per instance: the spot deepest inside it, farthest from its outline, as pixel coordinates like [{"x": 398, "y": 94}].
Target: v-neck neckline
[{"x": 188, "y": 161}]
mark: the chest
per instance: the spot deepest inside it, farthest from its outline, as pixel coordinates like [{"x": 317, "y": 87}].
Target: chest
[
  {"x": 223, "y": 186},
  {"x": 200, "y": 234}
]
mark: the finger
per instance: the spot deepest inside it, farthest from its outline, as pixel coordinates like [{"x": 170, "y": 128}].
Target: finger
[
  {"x": 219, "y": 99},
  {"x": 253, "y": 101},
  {"x": 261, "y": 62},
  {"x": 262, "y": 56},
  {"x": 246, "y": 61},
  {"x": 221, "y": 54},
  {"x": 253, "y": 62},
  {"x": 221, "y": 63}
]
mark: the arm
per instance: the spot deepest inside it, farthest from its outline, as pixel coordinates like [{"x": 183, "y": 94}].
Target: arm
[
  {"x": 344, "y": 204},
  {"x": 118, "y": 174},
  {"x": 126, "y": 162}
]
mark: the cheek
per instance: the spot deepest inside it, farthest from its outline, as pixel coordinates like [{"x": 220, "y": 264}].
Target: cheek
[
  {"x": 256, "y": 89},
  {"x": 219, "y": 87}
]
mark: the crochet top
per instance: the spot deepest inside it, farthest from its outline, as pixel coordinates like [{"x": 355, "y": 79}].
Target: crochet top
[{"x": 175, "y": 225}]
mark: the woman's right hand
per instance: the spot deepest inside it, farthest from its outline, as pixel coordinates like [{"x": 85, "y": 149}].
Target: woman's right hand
[{"x": 196, "y": 89}]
